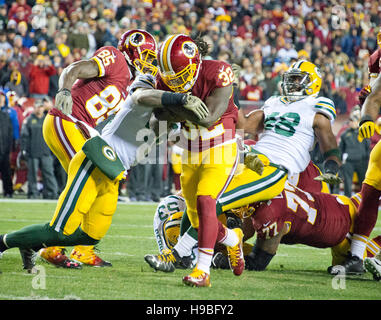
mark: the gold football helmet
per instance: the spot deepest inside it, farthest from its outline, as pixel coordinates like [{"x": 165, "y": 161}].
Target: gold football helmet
[
  {"x": 171, "y": 229},
  {"x": 302, "y": 79}
]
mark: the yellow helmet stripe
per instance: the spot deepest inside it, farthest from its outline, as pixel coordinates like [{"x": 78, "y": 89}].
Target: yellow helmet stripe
[
  {"x": 299, "y": 64},
  {"x": 165, "y": 59}
]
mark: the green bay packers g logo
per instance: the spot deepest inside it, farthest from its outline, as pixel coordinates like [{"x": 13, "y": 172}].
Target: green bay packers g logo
[{"x": 109, "y": 153}]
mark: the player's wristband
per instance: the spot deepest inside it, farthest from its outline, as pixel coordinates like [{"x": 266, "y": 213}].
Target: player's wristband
[
  {"x": 258, "y": 259},
  {"x": 331, "y": 166},
  {"x": 173, "y": 99},
  {"x": 364, "y": 119},
  {"x": 333, "y": 152}
]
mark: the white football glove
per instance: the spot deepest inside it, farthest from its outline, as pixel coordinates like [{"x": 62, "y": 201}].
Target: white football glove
[{"x": 64, "y": 101}]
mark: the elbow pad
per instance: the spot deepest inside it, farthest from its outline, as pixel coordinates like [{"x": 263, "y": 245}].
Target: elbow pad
[{"x": 258, "y": 259}]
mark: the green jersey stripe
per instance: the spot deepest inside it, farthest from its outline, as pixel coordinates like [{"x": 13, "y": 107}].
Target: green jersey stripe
[
  {"x": 327, "y": 109},
  {"x": 252, "y": 188}
]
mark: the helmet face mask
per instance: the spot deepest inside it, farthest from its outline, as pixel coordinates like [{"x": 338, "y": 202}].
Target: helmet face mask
[
  {"x": 183, "y": 81},
  {"x": 146, "y": 62},
  {"x": 179, "y": 61},
  {"x": 295, "y": 83},
  {"x": 140, "y": 50}
]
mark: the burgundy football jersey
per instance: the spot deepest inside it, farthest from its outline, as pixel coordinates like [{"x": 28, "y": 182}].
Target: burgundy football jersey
[
  {"x": 315, "y": 219},
  {"x": 213, "y": 74},
  {"x": 95, "y": 99}
]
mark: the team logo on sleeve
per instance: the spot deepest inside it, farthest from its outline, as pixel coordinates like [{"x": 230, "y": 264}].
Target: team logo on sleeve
[
  {"x": 109, "y": 153},
  {"x": 189, "y": 49},
  {"x": 137, "y": 39}
]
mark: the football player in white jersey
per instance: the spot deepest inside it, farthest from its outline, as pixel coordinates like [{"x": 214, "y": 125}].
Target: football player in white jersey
[
  {"x": 288, "y": 124},
  {"x": 91, "y": 192}
]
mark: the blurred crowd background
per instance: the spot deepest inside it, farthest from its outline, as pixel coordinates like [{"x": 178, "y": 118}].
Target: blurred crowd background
[{"x": 38, "y": 39}]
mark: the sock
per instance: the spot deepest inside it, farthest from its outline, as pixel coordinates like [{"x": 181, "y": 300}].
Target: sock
[
  {"x": 230, "y": 238},
  {"x": 368, "y": 210},
  {"x": 185, "y": 244},
  {"x": 207, "y": 231},
  {"x": 208, "y": 222},
  {"x": 204, "y": 261},
  {"x": 42, "y": 235},
  {"x": 373, "y": 247},
  {"x": 358, "y": 245}
]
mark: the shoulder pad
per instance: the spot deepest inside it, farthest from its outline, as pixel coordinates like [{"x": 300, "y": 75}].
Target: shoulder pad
[
  {"x": 269, "y": 101},
  {"x": 325, "y": 106}
]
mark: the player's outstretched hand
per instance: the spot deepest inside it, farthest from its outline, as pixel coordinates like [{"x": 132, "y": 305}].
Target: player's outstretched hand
[
  {"x": 253, "y": 162},
  {"x": 329, "y": 178},
  {"x": 366, "y": 130},
  {"x": 197, "y": 106},
  {"x": 64, "y": 101}
]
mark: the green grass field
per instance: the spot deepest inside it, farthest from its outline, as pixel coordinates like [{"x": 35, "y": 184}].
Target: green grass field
[{"x": 296, "y": 272}]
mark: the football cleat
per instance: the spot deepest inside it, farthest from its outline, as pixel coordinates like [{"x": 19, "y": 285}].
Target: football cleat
[
  {"x": 86, "y": 255},
  {"x": 197, "y": 278},
  {"x": 28, "y": 257},
  {"x": 373, "y": 265},
  {"x": 353, "y": 265},
  {"x": 235, "y": 254},
  {"x": 57, "y": 257},
  {"x": 167, "y": 262}
]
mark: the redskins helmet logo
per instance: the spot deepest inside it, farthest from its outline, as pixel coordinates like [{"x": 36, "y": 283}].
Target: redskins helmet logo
[
  {"x": 137, "y": 39},
  {"x": 317, "y": 71},
  {"x": 189, "y": 49},
  {"x": 109, "y": 153}
]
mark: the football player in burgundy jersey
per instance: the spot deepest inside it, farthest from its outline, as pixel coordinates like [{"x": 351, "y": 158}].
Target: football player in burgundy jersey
[
  {"x": 210, "y": 152},
  {"x": 90, "y": 91},
  {"x": 314, "y": 219},
  {"x": 371, "y": 187}
]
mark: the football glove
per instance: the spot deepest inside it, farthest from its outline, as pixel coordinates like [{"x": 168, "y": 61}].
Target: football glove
[
  {"x": 329, "y": 178},
  {"x": 197, "y": 106},
  {"x": 256, "y": 162},
  {"x": 366, "y": 130},
  {"x": 64, "y": 101}
]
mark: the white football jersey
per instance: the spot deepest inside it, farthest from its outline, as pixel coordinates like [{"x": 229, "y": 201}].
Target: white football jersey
[
  {"x": 126, "y": 132},
  {"x": 288, "y": 135}
]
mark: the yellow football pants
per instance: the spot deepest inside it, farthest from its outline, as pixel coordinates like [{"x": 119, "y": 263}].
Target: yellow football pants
[
  {"x": 248, "y": 187},
  {"x": 206, "y": 173},
  {"x": 89, "y": 200},
  {"x": 373, "y": 174},
  {"x": 63, "y": 138}
]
